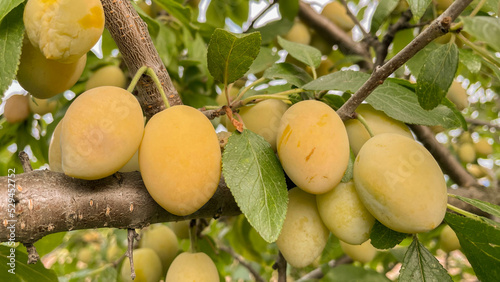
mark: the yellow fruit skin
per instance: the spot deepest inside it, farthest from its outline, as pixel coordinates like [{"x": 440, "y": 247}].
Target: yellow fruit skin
[
  {"x": 458, "y": 95},
  {"x": 163, "y": 241},
  {"x": 192, "y": 267},
  {"x": 147, "y": 266},
  {"x": 483, "y": 148},
  {"x": 44, "y": 78},
  {"x": 221, "y": 98},
  {"x": 180, "y": 159},
  {"x": 55, "y": 158},
  {"x": 363, "y": 253},
  {"x": 64, "y": 30},
  {"x": 345, "y": 216},
  {"x": 181, "y": 229},
  {"x": 378, "y": 122},
  {"x": 132, "y": 164},
  {"x": 102, "y": 129},
  {"x": 467, "y": 153},
  {"x": 313, "y": 147},
  {"x": 41, "y": 106},
  {"x": 336, "y": 13},
  {"x": 400, "y": 183},
  {"x": 16, "y": 108},
  {"x": 107, "y": 76},
  {"x": 264, "y": 118},
  {"x": 448, "y": 240},
  {"x": 303, "y": 236},
  {"x": 299, "y": 33}
]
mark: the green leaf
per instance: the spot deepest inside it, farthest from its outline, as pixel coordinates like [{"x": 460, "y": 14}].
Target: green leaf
[
  {"x": 352, "y": 273},
  {"x": 436, "y": 75},
  {"x": 230, "y": 55},
  {"x": 273, "y": 29},
  {"x": 480, "y": 242},
  {"x": 177, "y": 10},
  {"x": 395, "y": 100},
  {"x": 291, "y": 73},
  {"x": 23, "y": 270},
  {"x": 417, "y": 61},
  {"x": 418, "y": 7},
  {"x": 334, "y": 101},
  {"x": 420, "y": 265},
  {"x": 289, "y": 9},
  {"x": 470, "y": 60},
  {"x": 257, "y": 182},
  {"x": 7, "y": 5},
  {"x": 484, "y": 29},
  {"x": 385, "y": 238},
  {"x": 266, "y": 58},
  {"x": 47, "y": 244},
  {"x": 455, "y": 111},
  {"x": 304, "y": 53},
  {"x": 383, "y": 10},
  {"x": 11, "y": 41},
  {"x": 236, "y": 10},
  {"x": 482, "y": 205}
]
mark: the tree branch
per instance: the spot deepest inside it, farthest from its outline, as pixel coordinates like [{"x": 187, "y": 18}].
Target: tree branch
[
  {"x": 49, "y": 202},
  {"x": 437, "y": 28},
  {"x": 482, "y": 123},
  {"x": 318, "y": 272},
  {"x": 243, "y": 262},
  {"x": 131, "y": 35}
]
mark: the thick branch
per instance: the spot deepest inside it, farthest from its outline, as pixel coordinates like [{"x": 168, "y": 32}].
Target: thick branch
[
  {"x": 437, "y": 28},
  {"x": 131, "y": 35},
  {"x": 49, "y": 202}
]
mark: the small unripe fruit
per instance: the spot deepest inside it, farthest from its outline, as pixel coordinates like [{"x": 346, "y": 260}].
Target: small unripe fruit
[
  {"x": 378, "y": 122},
  {"x": 345, "y": 216},
  {"x": 55, "y": 158},
  {"x": 181, "y": 229},
  {"x": 162, "y": 240},
  {"x": 85, "y": 255},
  {"x": 363, "y": 253},
  {"x": 147, "y": 266},
  {"x": 400, "y": 183},
  {"x": 458, "y": 95},
  {"x": 467, "y": 153},
  {"x": 107, "y": 76},
  {"x": 64, "y": 30},
  {"x": 192, "y": 267},
  {"x": 476, "y": 170},
  {"x": 337, "y": 13},
  {"x": 16, "y": 108},
  {"x": 44, "y": 78},
  {"x": 303, "y": 236},
  {"x": 42, "y": 106},
  {"x": 483, "y": 147},
  {"x": 313, "y": 147},
  {"x": 102, "y": 129},
  {"x": 180, "y": 159},
  {"x": 299, "y": 33},
  {"x": 442, "y": 5},
  {"x": 448, "y": 240},
  {"x": 264, "y": 118}
]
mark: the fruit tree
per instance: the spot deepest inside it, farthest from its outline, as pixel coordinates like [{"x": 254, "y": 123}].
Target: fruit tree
[{"x": 175, "y": 140}]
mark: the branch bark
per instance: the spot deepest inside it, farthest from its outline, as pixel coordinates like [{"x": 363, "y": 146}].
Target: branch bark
[{"x": 48, "y": 202}]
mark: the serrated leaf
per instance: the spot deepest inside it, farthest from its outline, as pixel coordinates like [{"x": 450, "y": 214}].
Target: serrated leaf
[
  {"x": 7, "y": 5},
  {"x": 304, "y": 53},
  {"x": 418, "y": 7},
  {"x": 23, "y": 270},
  {"x": 383, "y": 237},
  {"x": 485, "y": 29},
  {"x": 266, "y": 58},
  {"x": 395, "y": 100},
  {"x": 257, "y": 181},
  {"x": 417, "y": 61},
  {"x": 420, "y": 265},
  {"x": 470, "y": 60},
  {"x": 291, "y": 73},
  {"x": 480, "y": 242},
  {"x": 436, "y": 75},
  {"x": 347, "y": 272},
  {"x": 230, "y": 55},
  {"x": 11, "y": 41},
  {"x": 383, "y": 10},
  {"x": 482, "y": 205}
]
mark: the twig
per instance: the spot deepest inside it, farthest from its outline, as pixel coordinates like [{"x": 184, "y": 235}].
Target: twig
[
  {"x": 355, "y": 20},
  {"x": 443, "y": 156},
  {"x": 25, "y": 161},
  {"x": 131, "y": 236},
  {"x": 318, "y": 272},
  {"x": 243, "y": 262},
  {"x": 483, "y": 123},
  {"x": 437, "y": 28},
  {"x": 281, "y": 266},
  {"x": 382, "y": 49}
]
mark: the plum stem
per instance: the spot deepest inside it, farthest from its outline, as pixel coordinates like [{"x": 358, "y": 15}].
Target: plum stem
[
  {"x": 245, "y": 90},
  {"x": 365, "y": 124},
  {"x": 280, "y": 96},
  {"x": 192, "y": 235},
  {"x": 461, "y": 211},
  {"x": 157, "y": 82},
  {"x": 136, "y": 78}
]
